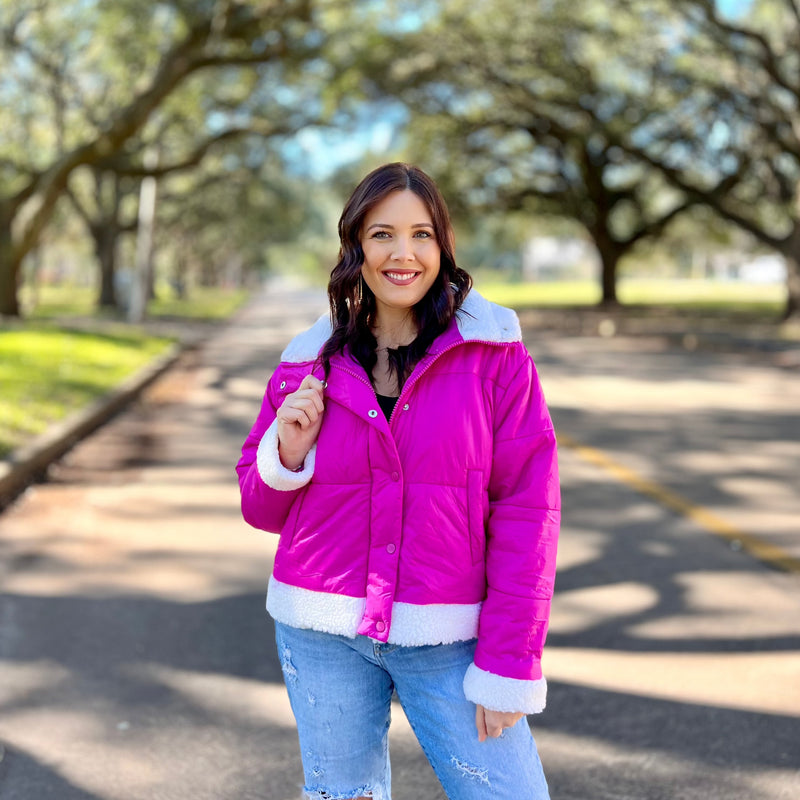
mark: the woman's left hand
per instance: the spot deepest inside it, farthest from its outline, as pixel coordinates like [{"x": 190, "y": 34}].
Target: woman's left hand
[{"x": 493, "y": 723}]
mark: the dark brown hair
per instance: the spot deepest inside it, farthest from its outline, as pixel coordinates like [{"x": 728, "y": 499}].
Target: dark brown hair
[{"x": 351, "y": 300}]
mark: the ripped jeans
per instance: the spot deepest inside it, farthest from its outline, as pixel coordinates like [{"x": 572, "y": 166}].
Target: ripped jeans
[{"x": 340, "y": 690}]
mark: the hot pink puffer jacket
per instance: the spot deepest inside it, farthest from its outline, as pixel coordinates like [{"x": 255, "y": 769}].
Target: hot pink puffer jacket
[{"x": 438, "y": 526}]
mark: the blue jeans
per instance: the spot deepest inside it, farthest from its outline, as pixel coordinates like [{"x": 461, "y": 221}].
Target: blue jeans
[{"x": 340, "y": 690}]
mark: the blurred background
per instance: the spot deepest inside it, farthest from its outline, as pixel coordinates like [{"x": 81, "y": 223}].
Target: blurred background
[
  {"x": 162, "y": 158},
  {"x": 625, "y": 173}
]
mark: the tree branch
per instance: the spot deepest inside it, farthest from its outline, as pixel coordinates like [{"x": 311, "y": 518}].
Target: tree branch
[
  {"x": 123, "y": 166},
  {"x": 78, "y": 206},
  {"x": 714, "y": 197},
  {"x": 186, "y": 57},
  {"x": 656, "y": 227},
  {"x": 794, "y": 8},
  {"x": 767, "y": 60}
]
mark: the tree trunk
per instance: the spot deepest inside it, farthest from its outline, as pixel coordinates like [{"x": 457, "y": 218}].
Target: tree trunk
[
  {"x": 609, "y": 259},
  {"x": 105, "y": 248},
  {"x": 792, "y": 287},
  {"x": 9, "y": 271},
  {"x": 792, "y": 256},
  {"x": 609, "y": 279}
]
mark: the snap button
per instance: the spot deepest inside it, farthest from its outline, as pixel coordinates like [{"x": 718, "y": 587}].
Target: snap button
[
  {"x": 380, "y": 625},
  {"x": 405, "y": 407},
  {"x": 283, "y": 384},
  {"x": 324, "y": 384},
  {"x": 395, "y": 476},
  {"x": 373, "y": 413},
  {"x": 390, "y": 548}
]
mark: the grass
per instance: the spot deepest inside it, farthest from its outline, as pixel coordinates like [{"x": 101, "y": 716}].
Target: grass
[
  {"x": 207, "y": 304},
  {"x": 58, "y": 302},
  {"x": 64, "y": 355},
  {"x": 48, "y": 372},
  {"x": 688, "y": 295},
  {"x": 520, "y": 295}
]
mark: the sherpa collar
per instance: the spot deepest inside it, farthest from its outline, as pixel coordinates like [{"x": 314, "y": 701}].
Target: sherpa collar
[{"x": 477, "y": 320}]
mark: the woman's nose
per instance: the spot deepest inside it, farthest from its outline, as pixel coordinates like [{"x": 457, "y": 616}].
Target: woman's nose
[{"x": 403, "y": 250}]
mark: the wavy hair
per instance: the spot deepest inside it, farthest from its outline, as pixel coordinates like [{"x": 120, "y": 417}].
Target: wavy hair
[{"x": 352, "y": 303}]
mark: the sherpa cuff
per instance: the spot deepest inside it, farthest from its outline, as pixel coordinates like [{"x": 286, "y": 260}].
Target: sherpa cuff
[
  {"x": 504, "y": 694},
  {"x": 272, "y": 472}
]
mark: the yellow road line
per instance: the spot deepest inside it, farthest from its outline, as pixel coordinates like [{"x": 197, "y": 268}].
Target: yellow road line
[{"x": 770, "y": 554}]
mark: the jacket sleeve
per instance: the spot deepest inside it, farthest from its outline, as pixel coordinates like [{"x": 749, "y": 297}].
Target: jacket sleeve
[
  {"x": 522, "y": 536},
  {"x": 268, "y": 488}
]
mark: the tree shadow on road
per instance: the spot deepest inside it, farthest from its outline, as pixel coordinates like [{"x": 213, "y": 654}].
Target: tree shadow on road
[
  {"x": 689, "y": 591},
  {"x": 23, "y": 777}
]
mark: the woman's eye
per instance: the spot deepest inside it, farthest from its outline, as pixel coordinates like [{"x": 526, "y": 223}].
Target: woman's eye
[
  {"x": 424, "y": 234},
  {"x": 380, "y": 235}
]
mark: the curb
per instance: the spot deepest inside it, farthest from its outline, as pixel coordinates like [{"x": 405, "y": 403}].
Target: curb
[{"x": 29, "y": 463}]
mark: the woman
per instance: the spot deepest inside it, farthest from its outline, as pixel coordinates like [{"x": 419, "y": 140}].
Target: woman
[{"x": 405, "y": 455}]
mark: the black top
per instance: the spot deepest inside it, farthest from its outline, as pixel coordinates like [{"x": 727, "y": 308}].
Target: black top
[{"x": 387, "y": 404}]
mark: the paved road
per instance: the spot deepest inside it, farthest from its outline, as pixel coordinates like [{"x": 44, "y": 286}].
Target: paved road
[{"x": 136, "y": 659}]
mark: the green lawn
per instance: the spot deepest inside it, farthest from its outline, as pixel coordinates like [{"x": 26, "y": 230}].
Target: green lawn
[
  {"x": 698, "y": 295},
  {"x": 64, "y": 356},
  {"x": 58, "y": 302},
  {"x": 48, "y": 372}
]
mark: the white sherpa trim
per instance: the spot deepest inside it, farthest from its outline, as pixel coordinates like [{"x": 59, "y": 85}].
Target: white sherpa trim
[
  {"x": 272, "y": 472},
  {"x": 480, "y": 320},
  {"x": 438, "y": 623},
  {"x": 306, "y": 345},
  {"x": 320, "y": 611},
  {"x": 412, "y": 624},
  {"x": 477, "y": 320},
  {"x": 504, "y": 694}
]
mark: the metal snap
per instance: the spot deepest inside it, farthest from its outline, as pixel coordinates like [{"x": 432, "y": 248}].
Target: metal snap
[{"x": 373, "y": 413}]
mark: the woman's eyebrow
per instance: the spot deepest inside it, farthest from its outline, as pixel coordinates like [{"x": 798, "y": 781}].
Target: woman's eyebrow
[{"x": 386, "y": 225}]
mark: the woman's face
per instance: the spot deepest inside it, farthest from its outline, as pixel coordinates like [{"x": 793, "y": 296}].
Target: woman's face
[{"x": 401, "y": 254}]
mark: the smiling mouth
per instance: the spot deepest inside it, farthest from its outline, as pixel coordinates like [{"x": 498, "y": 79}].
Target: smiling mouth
[{"x": 400, "y": 278}]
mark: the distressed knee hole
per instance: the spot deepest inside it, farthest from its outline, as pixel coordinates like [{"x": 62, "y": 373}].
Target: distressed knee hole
[
  {"x": 321, "y": 794},
  {"x": 289, "y": 669},
  {"x": 470, "y": 771}
]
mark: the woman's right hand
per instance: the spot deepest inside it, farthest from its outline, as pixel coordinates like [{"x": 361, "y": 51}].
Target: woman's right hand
[{"x": 299, "y": 420}]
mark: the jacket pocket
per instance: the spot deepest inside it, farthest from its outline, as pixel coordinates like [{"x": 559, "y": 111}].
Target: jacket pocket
[
  {"x": 476, "y": 521},
  {"x": 290, "y": 526}
]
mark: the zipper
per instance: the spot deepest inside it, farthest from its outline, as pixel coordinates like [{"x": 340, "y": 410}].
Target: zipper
[{"x": 358, "y": 378}]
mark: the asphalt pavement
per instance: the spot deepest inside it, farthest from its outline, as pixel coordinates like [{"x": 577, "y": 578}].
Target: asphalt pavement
[{"x": 136, "y": 658}]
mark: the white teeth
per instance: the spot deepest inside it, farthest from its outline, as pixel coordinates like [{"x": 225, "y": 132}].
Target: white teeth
[{"x": 404, "y": 277}]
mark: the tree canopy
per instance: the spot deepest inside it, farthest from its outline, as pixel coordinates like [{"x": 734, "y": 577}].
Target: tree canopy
[
  {"x": 624, "y": 116},
  {"x": 621, "y": 115},
  {"x": 90, "y": 84}
]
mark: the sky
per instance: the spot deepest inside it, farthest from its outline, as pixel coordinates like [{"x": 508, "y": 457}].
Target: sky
[{"x": 734, "y": 8}]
